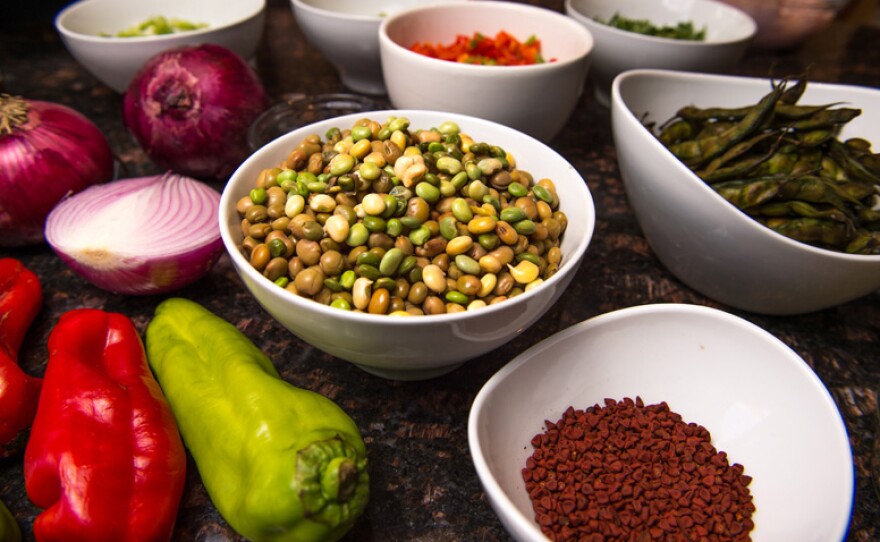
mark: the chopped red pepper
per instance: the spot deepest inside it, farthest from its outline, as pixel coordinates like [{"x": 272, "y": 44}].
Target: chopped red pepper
[
  {"x": 21, "y": 297},
  {"x": 105, "y": 459},
  {"x": 503, "y": 50}
]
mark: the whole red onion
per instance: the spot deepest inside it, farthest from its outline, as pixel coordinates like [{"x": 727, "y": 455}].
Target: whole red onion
[
  {"x": 47, "y": 151},
  {"x": 189, "y": 109}
]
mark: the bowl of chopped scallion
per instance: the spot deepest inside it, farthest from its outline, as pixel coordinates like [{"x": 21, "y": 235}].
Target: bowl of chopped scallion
[{"x": 688, "y": 35}]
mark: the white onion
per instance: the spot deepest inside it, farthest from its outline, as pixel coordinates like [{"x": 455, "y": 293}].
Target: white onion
[{"x": 140, "y": 236}]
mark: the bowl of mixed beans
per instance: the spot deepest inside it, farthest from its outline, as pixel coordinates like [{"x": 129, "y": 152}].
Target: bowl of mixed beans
[{"x": 406, "y": 241}]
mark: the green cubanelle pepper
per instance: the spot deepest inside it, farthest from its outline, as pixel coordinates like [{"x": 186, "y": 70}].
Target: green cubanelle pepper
[
  {"x": 9, "y": 529},
  {"x": 280, "y": 463}
]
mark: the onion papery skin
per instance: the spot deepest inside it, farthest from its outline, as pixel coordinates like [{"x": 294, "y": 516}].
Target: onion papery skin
[
  {"x": 189, "y": 108},
  {"x": 139, "y": 236},
  {"x": 56, "y": 152}
]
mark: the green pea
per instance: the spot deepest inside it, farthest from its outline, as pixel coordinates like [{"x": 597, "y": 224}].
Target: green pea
[
  {"x": 374, "y": 223},
  {"x": 448, "y": 128},
  {"x": 467, "y": 265},
  {"x": 512, "y": 214},
  {"x": 361, "y": 132},
  {"x": 347, "y": 279},
  {"x": 493, "y": 201},
  {"x": 459, "y": 180},
  {"x": 332, "y": 133},
  {"x": 534, "y": 258},
  {"x": 341, "y": 303},
  {"x": 332, "y": 283},
  {"x": 357, "y": 235},
  {"x": 411, "y": 222},
  {"x": 341, "y": 164},
  {"x": 435, "y": 146},
  {"x": 454, "y": 296},
  {"x": 461, "y": 210},
  {"x": 259, "y": 196},
  {"x": 450, "y": 165},
  {"x": 517, "y": 190},
  {"x": 277, "y": 248},
  {"x": 282, "y": 282},
  {"x": 393, "y": 227},
  {"x": 480, "y": 148},
  {"x": 420, "y": 235},
  {"x": 317, "y": 187},
  {"x": 369, "y": 257},
  {"x": 390, "y": 206},
  {"x": 446, "y": 188},
  {"x": 476, "y": 190},
  {"x": 473, "y": 171},
  {"x": 408, "y": 264},
  {"x": 449, "y": 227},
  {"x": 428, "y": 192},
  {"x": 306, "y": 177},
  {"x": 489, "y": 241},
  {"x": 391, "y": 261},
  {"x": 383, "y": 134},
  {"x": 286, "y": 175},
  {"x": 369, "y": 271},
  {"x": 525, "y": 227},
  {"x": 542, "y": 193},
  {"x": 384, "y": 282},
  {"x": 398, "y": 123},
  {"x": 369, "y": 171},
  {"x": 346, "y": 183}
]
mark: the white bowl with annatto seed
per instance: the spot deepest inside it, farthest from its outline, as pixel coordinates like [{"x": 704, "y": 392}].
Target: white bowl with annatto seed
[{"x": 760, "y": 402}]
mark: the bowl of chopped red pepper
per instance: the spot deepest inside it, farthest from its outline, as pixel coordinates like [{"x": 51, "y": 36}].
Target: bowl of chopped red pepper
[
  {"x": 516, "y": 64},
  {"x": 662, "y": 422}
]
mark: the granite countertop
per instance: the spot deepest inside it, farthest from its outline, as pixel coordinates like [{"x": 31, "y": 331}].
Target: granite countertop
[{"x": 424, "y": 486}]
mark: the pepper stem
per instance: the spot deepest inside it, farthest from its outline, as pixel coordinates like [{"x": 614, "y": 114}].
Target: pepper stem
[
  {"x": 333, "y": 481},
  {"x": 13, "y": 113}
]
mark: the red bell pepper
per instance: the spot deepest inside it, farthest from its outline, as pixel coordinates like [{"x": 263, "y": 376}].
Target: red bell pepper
[
  {"x": 21, "y": 297},
  {"x": 104, "y": 460}
]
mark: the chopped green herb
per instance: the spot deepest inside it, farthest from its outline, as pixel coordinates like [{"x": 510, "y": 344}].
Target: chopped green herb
[{"x": 681, "y": 31}]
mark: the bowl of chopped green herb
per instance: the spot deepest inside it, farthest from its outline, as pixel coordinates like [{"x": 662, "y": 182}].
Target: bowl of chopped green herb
[
  {"x": 112, "y": 39},
  {"x": 689, "y": 35}
]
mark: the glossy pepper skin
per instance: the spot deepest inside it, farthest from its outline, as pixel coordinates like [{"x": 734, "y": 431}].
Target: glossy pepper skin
[
  {"x": 280, "y": 463},
  {"x": 9, "y": 530},
  {"x": 21, "y": 297},
  {"x": 104, "y": 460}
]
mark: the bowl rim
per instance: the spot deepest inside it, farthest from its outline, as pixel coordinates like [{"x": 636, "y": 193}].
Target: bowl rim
[
  {"x": 478, "y": 406},
  {"x": 313, "y": 9},
  {"x": 647, "y": 73},
  {"x": 595, "y": 26},
  {"x": 61, "y": 18},
  {"x": 570, "y": 262},
  {"x": 462, "y": 68}
]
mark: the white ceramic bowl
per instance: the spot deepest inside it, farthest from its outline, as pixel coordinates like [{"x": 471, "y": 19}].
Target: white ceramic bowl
[
  {"x": 234, "y": 24},
  {"x": 536, "y": 99},
  {"x": 728, "y": 34},
  {"x": 346, "y": 32},
  {"x": 410, "y": 348},
  {"x": 760, "y": 401},
  {"x": 702, "y": 239}
]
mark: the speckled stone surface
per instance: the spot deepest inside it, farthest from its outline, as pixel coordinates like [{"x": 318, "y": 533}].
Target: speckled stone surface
[{"x": 424, "y": 487}]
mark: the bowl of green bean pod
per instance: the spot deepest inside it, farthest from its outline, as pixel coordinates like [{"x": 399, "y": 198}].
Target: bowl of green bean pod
[
  {"x": 763, "y": 194},
  {"x": 406, "y": 242}
]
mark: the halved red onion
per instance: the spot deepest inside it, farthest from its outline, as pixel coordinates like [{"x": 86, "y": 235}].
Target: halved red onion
[{"x": 140, "y": 236}]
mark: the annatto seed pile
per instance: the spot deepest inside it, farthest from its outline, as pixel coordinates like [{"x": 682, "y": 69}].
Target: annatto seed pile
[
  {"x": 386, "y": 219},
  {"x": 625, "y": 471}
]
